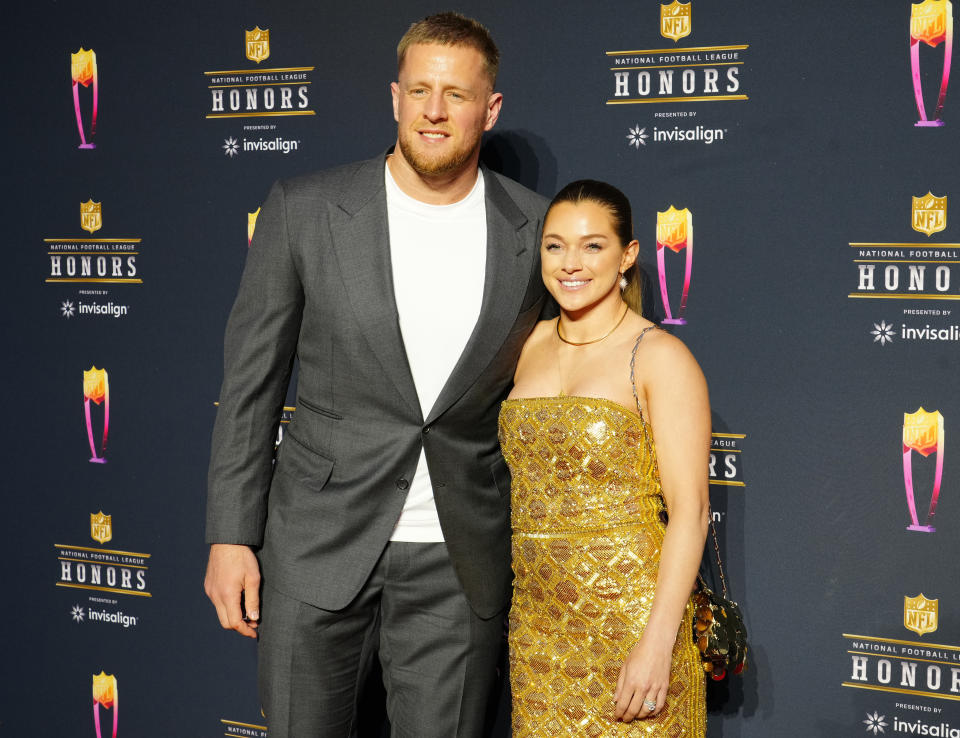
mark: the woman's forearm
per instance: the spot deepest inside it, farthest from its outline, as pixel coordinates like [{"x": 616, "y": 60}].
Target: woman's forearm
[{"x": 679, "y": 562}]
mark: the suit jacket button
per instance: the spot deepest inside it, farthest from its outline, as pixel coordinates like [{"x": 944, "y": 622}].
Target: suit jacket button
[
  {"x": 426, "y": 429},
  {"x": 402, "y": 484}
]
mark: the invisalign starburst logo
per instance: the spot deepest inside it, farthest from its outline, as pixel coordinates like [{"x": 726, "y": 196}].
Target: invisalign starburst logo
[
  {"x": 882, "y": 332},
  {"x": 230, "y": 147},
  {"x": 875, "y": 723},
  {"x": 637, "y": 137}
]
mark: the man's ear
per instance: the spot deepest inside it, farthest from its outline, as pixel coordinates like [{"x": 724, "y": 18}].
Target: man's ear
[
  {"x": 395, "y": 94},
  {"x": 494, "y": 103}
]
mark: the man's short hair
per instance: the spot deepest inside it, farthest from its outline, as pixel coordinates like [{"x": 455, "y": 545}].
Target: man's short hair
[{"x": 452, "y": 29}]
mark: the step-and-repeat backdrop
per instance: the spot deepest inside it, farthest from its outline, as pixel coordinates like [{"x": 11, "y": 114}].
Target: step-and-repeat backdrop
[{"x": 808, "y": 150}]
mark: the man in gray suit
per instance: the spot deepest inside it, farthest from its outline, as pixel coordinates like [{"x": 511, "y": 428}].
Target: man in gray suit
[{"x": 406, "y": 286}]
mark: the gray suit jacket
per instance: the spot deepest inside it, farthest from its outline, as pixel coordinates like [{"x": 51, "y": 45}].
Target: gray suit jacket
[{"x": 318, "y": 285}]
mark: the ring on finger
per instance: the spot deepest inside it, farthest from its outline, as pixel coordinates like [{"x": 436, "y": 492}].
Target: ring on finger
[{"x": 650, "y": 705}]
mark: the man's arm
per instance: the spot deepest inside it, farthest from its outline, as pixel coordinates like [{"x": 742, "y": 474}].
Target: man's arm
[{"x": 259, "y": 348}]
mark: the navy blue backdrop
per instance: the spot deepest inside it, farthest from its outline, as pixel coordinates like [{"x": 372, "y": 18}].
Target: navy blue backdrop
[{"x": 821, "y": 306}]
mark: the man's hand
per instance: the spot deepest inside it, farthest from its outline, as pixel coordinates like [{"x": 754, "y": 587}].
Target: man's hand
[{"x": 234, "y": 573}]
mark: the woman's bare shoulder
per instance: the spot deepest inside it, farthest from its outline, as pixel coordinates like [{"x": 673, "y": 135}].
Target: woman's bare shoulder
[{"x": 662, "y": 354}]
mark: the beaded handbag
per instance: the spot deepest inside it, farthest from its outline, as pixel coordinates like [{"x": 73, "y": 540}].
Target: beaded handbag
[{"x": 718, "y": 629}]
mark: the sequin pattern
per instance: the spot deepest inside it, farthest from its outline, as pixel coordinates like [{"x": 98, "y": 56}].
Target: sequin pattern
[{"x": 587, "y": 532}]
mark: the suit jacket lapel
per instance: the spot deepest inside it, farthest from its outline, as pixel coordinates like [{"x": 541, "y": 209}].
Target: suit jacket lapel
[
  {"x": 506, "y": 275},
  {"x": 361, "y": 241}
]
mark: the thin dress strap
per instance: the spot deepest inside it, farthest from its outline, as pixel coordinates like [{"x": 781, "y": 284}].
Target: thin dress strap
[
  {"x": 643, "y": 423},
  {"x": 633, "y": 358}
]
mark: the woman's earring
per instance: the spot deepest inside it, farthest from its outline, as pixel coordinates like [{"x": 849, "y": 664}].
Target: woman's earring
[{"x": 623, "y": 283}]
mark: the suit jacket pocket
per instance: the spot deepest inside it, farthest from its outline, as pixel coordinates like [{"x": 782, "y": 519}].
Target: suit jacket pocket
[
  {"x": 501, "y": 476},
  {"x": 302, "y": 464},
  {"x": 319, "y": 410}
]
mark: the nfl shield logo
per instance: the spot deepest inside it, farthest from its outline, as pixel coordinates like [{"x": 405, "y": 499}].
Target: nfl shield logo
[
  {"x": 920, "y": 614},
  {"x": 258, "y": 44},
  {"x": 674, "y": 228},
  {"x": 101, "y": 527},
  {"x": 94, "y": 384},
  {"x": 91, "y": 218},
  {"x": 929, "y": 21},
  {"x": 83, "y": 66},
  {"x": 104, "y": 693},
  {"x": 675, "y": 20},
  {"x": 929, "y": 213},
  {"x": 922, "y": 431}
]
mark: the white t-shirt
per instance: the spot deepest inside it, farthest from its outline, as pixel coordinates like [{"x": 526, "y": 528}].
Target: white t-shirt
[{"x": 438, "y": 255}]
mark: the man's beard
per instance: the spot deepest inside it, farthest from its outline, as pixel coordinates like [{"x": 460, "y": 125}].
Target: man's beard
[{"x": 427, "y": 166}]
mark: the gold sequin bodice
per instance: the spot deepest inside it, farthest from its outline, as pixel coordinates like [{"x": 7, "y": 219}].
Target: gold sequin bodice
[
  {"x": 578, "y": 463},
  {"x": 588, "y": 526}
]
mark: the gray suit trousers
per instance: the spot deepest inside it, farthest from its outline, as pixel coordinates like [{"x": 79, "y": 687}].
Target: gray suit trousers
[{"x": 439, "y": 659}]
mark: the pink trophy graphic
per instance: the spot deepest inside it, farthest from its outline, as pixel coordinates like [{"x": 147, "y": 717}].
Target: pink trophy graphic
[
  {"x": 674, "y": 232},
  {"x": 923, "y": 433},
  {"x": 931, "y": 22},
  {"x": 83, "y": 70},
  {"x": 105, "y": 693},
  {"x": 96, "y": 390}
]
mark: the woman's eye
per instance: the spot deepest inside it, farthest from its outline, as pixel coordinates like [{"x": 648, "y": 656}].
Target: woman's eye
[
  {"x": 551, "y": 246},
  {"x": 593, "y": 247}
]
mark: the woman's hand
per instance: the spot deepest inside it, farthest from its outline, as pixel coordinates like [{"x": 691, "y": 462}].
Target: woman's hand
[{"x": 644, "y": 678}]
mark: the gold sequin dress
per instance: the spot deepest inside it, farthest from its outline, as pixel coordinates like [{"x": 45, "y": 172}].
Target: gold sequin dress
[{"x": 587, "y": 533}]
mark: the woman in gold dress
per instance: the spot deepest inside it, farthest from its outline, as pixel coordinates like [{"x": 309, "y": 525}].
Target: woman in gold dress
[{"x": 607, "y": 435}]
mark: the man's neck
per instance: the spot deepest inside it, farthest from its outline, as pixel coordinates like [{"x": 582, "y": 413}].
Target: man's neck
[{"x": 440, "y": 189}]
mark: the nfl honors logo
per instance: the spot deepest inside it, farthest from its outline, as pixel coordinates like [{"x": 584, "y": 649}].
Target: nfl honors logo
[
  {"x": 258, "y": 44},
  {"x": 674, "y": 227},
  {"x": 91, "y": 218},
  {"x": 101, "y": 527},
  {"x": 929, "y": 213},
  {"x": 675, "y": 20},
  {"x": 920, "y": 614}
]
